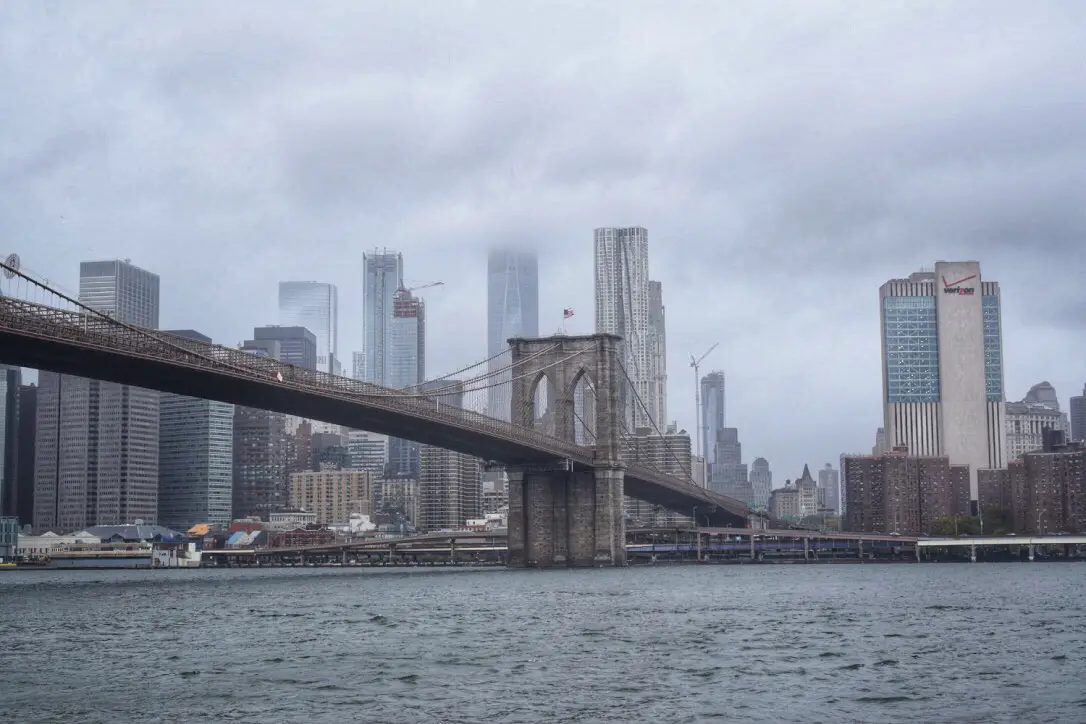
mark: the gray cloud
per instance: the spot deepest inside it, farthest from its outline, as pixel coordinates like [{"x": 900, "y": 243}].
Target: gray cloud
[{"x": 786, "y": 158}]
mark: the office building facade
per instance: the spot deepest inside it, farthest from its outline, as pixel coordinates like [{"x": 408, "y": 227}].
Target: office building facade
[
  {"x": 406, "y": 368},
  {"x": 10, "y": 385},
  {"x": 196, "y": 458},
  {"x": 96, "y": 456},
  {"x": 261, "y": 451},
  {"x": 657, "y": 343},
  {"x": 1027, "y": 421},
  {"x": 943, "y": 366},
  {"x": 1078, "y": 416},
  {"x": 761, "y": 483},
  {"x": 512, "y": 311},
  {"x": 314, "y": 306},
  {"x": 829, "y": 490},
  {"x": 297, "y": 345},
  {"x": 622, "y": 308},
  {"x": 383, "y": 279},
  {"x": 27, "y": 434}
]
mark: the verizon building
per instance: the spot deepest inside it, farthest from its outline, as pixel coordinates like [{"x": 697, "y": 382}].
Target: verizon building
[{"x": 942, "y": 361}]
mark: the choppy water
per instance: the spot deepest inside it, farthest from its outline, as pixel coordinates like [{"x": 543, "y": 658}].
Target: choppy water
[{"x": 923, "y": 643}]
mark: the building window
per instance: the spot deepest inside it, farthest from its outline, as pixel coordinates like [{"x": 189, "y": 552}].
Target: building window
[
  {"x": 993, "y": 354},
  {"x": 912, "y": 349}
]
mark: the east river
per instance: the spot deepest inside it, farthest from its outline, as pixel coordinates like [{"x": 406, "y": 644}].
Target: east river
[{"x": 831, "y": 643}]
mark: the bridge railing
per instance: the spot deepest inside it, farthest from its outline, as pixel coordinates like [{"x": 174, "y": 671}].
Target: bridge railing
[{"x": 98, "y": 331}]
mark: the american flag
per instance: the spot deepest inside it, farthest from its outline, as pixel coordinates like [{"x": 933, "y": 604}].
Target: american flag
[{"x": 567, "y": 313}]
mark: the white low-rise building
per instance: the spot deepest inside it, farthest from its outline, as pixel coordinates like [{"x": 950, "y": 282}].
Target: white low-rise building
[{"x": 37, "y": 546}]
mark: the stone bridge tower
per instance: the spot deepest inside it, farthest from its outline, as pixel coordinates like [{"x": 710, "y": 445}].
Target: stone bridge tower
[{"x": 566, "y": 514}]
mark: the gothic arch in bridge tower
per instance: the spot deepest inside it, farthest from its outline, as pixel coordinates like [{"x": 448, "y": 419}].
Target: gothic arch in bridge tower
[{"x": 589, "y": 363}]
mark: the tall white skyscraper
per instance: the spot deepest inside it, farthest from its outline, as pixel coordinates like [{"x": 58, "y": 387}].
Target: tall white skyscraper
[
  {"x": 512, "y": 311},
  {"x": 942, "y": 353},
  {"x": 383, "y": 278},
  {"x": 622, "y": 308},
  {"x": 96, "y": 460},
  {"x": 315, "y": 306}
]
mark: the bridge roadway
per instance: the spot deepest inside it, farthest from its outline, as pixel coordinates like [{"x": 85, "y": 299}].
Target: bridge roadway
[{"x": 88, "y": 345}]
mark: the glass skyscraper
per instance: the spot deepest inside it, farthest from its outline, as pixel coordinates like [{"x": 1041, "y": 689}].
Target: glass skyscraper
[
  {"x": 512, "y": 311},
  {"x": 315, "y": 306},
  {"x": 383, "y": 278},
  {"x": 406, "y": 355},
  {"x": 96, "y": 459},
  {"x": 943, "y": 366}
]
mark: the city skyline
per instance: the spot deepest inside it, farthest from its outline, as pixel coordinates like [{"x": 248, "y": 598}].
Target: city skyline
[{"x": 773, "y": 219}]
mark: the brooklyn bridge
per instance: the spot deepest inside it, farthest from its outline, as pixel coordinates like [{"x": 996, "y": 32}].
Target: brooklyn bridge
[{"x": 568, "y": 469}]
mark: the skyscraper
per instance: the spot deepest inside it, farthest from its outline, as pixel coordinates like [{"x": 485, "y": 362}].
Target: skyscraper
[
  {"x": 383, "y": 278},
  {"x": 761, "y": 483},
  {"x": 1078, "y": 416},
  {"x": 450, "y": 488},
  {"x": 829, "y": 489},
  {"x": 512, "y": 311},
  {"x": 657, "y": 340},
  {"x": 943, "y": 366},
  {"x": 10, "y": 383},
  {"x": 723, "y": 451},
  {"x": 96, "y": 460},
  {"x": 713, "y": 412},
  {"x": 297, "y": 345},
  {"x": 622, "y": 308},
  {"x": 406, "y": 367},
  {"x": 196, "y": 458},
  {"x": 1026, "y": 421},
  {"x": 315, "y": 306},
  {"x": 24, "y": 478},
  {"x": 261, "y": 449}
]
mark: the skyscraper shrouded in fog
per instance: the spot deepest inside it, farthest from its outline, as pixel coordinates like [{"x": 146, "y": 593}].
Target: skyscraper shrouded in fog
[
  {"x": 96, "y": 460},
  {"x": 196, "y": 458},
  {"x": 622, "y": 308},
  {"x": 383, "y": 279},
  {"x": 315, "y": 306},
  {"x": 512, "y": 311},
  {"x": 943, "y": 366}
]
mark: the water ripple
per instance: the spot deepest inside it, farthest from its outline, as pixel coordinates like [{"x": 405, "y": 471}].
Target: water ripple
[{"x": 992, "y": 643}]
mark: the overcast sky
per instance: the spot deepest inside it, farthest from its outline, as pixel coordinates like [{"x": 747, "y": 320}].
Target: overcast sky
[{"x": 786, "y": 159}]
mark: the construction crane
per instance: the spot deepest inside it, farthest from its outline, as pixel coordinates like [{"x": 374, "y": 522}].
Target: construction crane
[
  {"x": 424, "y": 285},
  {"x": 701, "y": 432}
]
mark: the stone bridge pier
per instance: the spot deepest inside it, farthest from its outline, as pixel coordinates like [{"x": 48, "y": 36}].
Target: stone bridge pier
[{"x": 559, "y": 515}]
